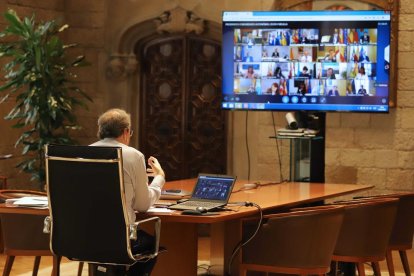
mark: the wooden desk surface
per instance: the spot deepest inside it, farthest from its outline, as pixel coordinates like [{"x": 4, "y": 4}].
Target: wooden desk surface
[
  {"x": 267, "y": 196},
  {"x": 225, "y": 226}
]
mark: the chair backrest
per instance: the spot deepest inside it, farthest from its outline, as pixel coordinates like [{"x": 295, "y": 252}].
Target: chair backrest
[
  {"x": 403, "y": 230},
  {"x": 22, "y": 233},
  {"x": 366, "y": 228},
  {"x": 87, "y": 204},
  {"x": 299, "y": 239}
]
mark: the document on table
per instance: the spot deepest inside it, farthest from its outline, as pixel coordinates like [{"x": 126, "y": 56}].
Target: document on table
[
  {"x": 159, "y": 210},
  {"x": 40, "y": 202}
]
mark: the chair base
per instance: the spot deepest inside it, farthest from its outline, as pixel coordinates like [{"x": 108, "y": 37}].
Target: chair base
[{"x": 106, "y": 270}]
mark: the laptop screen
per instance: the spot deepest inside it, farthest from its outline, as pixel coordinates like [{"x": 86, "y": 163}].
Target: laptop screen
[{"x": 213, "y": 187}]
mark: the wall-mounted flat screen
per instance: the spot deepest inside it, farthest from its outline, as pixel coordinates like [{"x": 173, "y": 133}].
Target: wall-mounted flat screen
[{"x": 306, "y": 60}]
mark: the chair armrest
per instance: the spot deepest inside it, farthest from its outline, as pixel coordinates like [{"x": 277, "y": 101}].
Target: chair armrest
[
  {"x": 46, "y": 225},
  {"x": 157, "y": 227}
]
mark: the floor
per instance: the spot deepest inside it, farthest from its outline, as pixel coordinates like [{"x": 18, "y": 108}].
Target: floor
[{"x": 23, "y": 265}]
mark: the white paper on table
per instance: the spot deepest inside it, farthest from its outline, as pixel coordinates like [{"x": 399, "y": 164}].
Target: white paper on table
[
  {"x": 28, "y": 201},
  {"x": 159, "y": 210}
]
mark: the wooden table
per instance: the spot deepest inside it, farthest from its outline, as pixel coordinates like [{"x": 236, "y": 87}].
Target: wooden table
[{"x": 179, "y": 233}]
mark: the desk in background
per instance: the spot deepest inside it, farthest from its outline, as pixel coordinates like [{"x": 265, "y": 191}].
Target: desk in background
[{"x": 179, "y": 233}]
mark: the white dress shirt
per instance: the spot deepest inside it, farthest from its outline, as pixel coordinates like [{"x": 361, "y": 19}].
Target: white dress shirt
[
  {"x": 306, "y": 59},
  {"x": 139, "y": 195}
]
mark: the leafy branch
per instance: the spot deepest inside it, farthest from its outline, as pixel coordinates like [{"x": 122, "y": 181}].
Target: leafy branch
[{"x": 38, "y": 74}]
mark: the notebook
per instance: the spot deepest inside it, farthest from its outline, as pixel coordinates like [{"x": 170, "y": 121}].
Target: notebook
[{"x": 211, "y": 191}]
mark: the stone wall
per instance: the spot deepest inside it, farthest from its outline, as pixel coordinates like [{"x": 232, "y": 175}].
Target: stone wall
[
  {"x": 87, "y": 27},
  {"x": 360, "y": 148}
]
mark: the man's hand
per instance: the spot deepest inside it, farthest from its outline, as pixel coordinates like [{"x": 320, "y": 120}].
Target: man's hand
[{"x": 155, "y": 167}]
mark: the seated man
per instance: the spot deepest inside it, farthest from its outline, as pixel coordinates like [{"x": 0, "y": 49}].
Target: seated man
[
  {"x": 362, "y": 91},
  {"x": 275, "y": 54},
  {"x": 304, "y": 73},
  {"x": 330, "y": 56},
  {"x": 365, "y": 38},
  {"x": 334, "y": 91},
  {"x": 330, "y": 74},
  {"x": 363, "y": 57},
  {"x": 306, "y": 57},
  {"x": 115, "y": 131}
]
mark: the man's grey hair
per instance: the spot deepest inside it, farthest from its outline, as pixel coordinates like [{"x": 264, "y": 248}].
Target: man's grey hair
[{"x": 112, "y": 123}]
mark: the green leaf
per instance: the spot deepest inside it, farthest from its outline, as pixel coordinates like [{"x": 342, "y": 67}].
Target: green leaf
[
  {"x": 70, "y": 45},
  {"x": 3, "y": 99},
  {"x": 8, "y": 85},
  {"x": 25, "y": 149},
  {"x": 78, "y": 60},
  {"x": 37, "y": 71},
  {"x": 13, "y": 113},
  {"x": 85, "y": 95},
  {"x": 13, "y": 19},
  {"x": 43, "y": 29},
  {"x": 27, "y": 24},
  {"x": 64, "y": 27},
  {"x": 19, "y": 125},
  {"x": 38, "y": 56},
  {"x": 53, "y": 42}
]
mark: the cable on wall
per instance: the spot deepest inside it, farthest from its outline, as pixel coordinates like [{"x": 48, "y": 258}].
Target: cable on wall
[
  {"x": 247, "y": 146},
  {"x": 277, "y": 149}
]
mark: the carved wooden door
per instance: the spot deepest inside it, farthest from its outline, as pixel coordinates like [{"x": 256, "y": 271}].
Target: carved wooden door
[{"x": 181, "y": 121}]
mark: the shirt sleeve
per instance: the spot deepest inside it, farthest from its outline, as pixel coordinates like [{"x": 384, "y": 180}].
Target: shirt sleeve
[{"x": 144, "y": 195}]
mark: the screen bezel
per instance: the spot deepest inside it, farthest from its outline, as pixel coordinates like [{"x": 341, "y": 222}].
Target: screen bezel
[{"x": 321, "y": 108}]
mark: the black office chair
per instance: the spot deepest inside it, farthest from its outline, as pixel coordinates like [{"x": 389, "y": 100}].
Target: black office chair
[{"x": 88, "y": 217}]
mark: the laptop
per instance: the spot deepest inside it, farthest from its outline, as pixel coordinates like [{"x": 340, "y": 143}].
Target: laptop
[{"x": 211, "y": 191}]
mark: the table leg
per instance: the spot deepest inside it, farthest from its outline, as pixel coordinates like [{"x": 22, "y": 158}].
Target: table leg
[
  {"x": 180, "y": 239},
  {"x": 224, "y": 237}
]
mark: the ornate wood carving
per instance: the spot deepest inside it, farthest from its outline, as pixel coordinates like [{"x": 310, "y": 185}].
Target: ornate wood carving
[
  {"x": 182, "y": 123},
  {"x": 206, "y": 131}
]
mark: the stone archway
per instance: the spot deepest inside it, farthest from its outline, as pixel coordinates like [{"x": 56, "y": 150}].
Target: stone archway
[{"x": 189, "y": 135}]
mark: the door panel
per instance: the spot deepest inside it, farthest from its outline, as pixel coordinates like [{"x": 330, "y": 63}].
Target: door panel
[
  {"x": 181, "y": 122},
  {"x": 206, "y": 135},
  {"x": 161, "y": 126}
]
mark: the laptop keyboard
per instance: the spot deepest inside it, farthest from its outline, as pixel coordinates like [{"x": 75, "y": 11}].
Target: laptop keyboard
[{"x": 199, "y": 203}]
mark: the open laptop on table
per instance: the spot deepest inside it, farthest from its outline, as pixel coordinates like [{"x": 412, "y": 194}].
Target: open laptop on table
[{"x": 211, "y": 191}]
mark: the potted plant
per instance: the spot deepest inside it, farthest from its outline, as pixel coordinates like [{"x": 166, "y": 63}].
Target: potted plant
[{"x": 38, "y": 74}]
